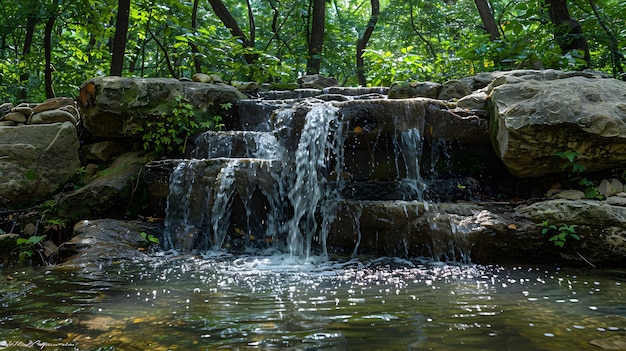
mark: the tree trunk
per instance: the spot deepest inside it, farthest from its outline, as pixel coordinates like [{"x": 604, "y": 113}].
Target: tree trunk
[
  {"x": 568, "y": 33},
  {"x": 229, "y": 22},
  {"x": 119, "y": 40},
  {"x": 361, "y": 43},
  {"x": 31, "y": 22},
  {"x": 47, "y": 48},
  {"x": 616, "y": 56},
  {"x": 316, "y": 39},
  {"x": 194, "y": 48},
  {"x": 486, "y": 15}
]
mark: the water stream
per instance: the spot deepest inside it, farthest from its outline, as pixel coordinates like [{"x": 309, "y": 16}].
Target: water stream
[{"x": 252, "y": 302}]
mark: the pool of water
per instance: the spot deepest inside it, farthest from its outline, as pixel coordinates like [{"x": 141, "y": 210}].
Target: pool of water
[{"x": 277, "y": 302}]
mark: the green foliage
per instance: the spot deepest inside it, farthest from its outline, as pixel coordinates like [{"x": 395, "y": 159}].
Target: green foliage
[
  {"x": 559, "y": 235},
  {"x": 576, "y": 172},
  {"x": 388, "y": 67},
  {"x": 169, "y": 134},
  {"x": 26, "y": 248},
  {"x": 149, "y": 238},
  {"x": 430, "y": 40}
]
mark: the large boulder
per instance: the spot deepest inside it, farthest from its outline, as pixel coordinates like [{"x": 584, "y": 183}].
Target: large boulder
[
  {"x": 531, "y": 120},
  {"x": 120, "y": 107},
  {"x": 35, "y": 160}
]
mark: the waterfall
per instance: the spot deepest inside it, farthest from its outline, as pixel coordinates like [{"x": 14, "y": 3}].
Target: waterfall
[
  {"x": 350, "y": 169},
  {"x": 322, "y": 138}
]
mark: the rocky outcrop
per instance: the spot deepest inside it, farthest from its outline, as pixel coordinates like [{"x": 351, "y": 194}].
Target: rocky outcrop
[{"x": 531, "y": 120}]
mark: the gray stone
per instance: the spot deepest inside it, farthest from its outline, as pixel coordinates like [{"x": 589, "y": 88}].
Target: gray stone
[
  {"x": 16, "y": 117},
  {"x": 52, "y": 116},
  {"x": 531, "y": 120},
  {"x": 570, "y": 194},
  {"x": 610, "y": 187},
  {"x": 26, "y": 110},
  {"x": 474, "y": 101},
  {"x": 454, "y": 89},
  {"x": 54, "y": 103},
  {"x": 316, "y": 81},
  {"x": 405, "y": 90},
  {"x": 36, "y": 159},
  {"x": 102, "y": 242}
]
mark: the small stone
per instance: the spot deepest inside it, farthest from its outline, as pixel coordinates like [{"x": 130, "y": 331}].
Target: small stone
[
  {"x": 30, "y": 229},
  {"x": 5, "y": 108},
  {"x": 7, "y": 124},
  {"x": 16, "y": 117},
  {"x": 53, "y": 104},
  {"x": 217, "y": 78},
  {"x": 616, "y": 342},
  {"x": 26, "y": 110},
  {"x": 202, "y": 78},
  {"x": 552, "y": 192},
  {"x": 52, "y": 116},
  {"x": 246, "y": 86},
  {"x": 570, "y": 194},
  {"x": 609, "y": 188}
]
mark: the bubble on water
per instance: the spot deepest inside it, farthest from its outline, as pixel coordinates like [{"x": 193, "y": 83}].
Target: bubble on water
[
  {"x": 613, "y": 328},
  {"x": 548, "y": 335},
  {"x": 600, "y": 329},
  {"x": 593, "y": 308},
  {"x": 578, "y": 326},
  {"x": 573, "y": 300}
]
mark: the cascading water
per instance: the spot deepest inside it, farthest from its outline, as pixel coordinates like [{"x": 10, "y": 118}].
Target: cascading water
[
  {"x": 322, "y": 137},
  {"x": 349, "y": 168}
]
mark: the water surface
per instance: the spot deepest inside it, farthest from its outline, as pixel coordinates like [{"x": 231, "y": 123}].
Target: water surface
[{"x": 277, "y": 302}]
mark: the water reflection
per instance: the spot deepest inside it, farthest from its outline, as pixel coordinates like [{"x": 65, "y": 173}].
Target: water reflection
[{"x": 275, "y": 302}]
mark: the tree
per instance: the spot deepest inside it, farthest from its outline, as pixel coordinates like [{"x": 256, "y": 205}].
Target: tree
[
  {"x": 316, "y": 35},
  {"x": 47, "y": 45},
  {"x": 568, "y": 33},
  {"x": 229, "y": 21},
  {"x": 119, "y": 40},
  {"x": 486, "y": 15},
  {"x": 363, "y": 40}
]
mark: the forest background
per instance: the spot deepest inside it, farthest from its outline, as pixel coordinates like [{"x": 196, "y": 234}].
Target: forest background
[{"x": 49, "y": 47}]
